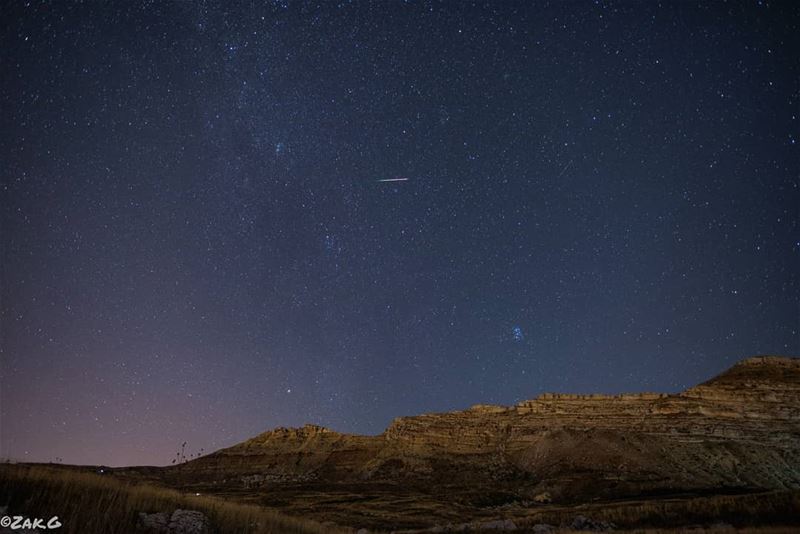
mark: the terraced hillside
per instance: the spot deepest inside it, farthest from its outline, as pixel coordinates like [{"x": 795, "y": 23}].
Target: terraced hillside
[{"x": 736, "y": 433}]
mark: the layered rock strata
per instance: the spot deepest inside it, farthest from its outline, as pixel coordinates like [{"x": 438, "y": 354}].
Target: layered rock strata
[{"x": 740, "y": 430}]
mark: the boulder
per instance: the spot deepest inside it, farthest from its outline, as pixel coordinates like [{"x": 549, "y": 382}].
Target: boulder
[
  {"x": 582, "y": 522},
  {"x": 179, "y": 522}
]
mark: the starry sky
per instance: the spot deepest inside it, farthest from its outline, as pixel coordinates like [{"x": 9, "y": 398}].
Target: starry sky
[{"x": 199, "y": 241}]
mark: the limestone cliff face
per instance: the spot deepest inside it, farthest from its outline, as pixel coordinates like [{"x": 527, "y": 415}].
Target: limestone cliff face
[{"x": 738, "y": 430}]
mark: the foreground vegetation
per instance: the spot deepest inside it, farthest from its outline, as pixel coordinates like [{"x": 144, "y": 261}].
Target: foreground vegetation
[
  {"x": 775, "y": 511},
  {"x": 88, "y": 503}
]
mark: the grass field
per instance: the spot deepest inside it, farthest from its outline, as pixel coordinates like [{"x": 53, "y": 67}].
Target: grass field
[{"x": 88, "y": 503}]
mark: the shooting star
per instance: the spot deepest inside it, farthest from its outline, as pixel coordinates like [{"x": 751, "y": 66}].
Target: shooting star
[
  {"x": 565, "y": 169},
  {"x": 394, "y": 180}
]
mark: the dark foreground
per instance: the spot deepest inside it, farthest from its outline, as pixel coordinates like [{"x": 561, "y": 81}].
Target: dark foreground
[{"x": 87, "y": 502}]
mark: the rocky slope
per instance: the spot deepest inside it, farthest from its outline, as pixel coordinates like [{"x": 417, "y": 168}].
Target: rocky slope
[{"x": 737, "y": 432}]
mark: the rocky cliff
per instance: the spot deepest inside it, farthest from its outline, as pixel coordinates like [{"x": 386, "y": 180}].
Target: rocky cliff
[{"x": 739, "y": 431}]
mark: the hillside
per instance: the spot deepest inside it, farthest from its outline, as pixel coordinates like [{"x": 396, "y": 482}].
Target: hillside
[{"x": 736, "y": 433}]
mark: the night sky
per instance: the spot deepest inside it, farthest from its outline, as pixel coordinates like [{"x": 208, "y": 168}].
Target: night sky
[{"x": 199, "y": 244}]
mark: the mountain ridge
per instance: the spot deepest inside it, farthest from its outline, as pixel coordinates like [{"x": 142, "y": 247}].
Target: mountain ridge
[
  {"x": 738, "y": 370},
  {"x": 736, "y": 432}
]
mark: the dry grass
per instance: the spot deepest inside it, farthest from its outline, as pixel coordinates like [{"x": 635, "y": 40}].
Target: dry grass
[
  {"x": 695, "y": 530},
  {"x": 713, "y": 530},
  {"x": 741, "y": 510},
  {"x": 89, "y": 503},
  {"x": 770, "y": 509}
]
